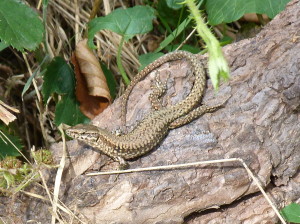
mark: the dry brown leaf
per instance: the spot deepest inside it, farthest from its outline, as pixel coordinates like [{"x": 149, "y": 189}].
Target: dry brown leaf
[
  {"x": 252, "y": 17},
  {"x": 91, "y": 88},
  {"x": 5, "y": 115}
]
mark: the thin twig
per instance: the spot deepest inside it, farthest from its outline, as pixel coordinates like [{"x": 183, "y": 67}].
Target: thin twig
[
  {"x": 186, "y": 39},
  {"x": 59, "y": 175},
  {"x": 76, "y": 26}
]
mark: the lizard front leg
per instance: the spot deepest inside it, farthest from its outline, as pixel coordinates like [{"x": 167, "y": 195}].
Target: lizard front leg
[
  {"x": 123, "y": 164},
  {"x": 159, "y": 89}
]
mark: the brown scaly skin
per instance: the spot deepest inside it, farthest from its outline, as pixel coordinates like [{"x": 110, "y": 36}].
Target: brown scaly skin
[{"x": 155, "y": 126}]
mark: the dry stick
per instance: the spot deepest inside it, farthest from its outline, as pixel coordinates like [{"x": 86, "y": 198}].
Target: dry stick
[
  {"x": 187, "y": 165},
  {"x": 43, "y": 181},
  {"x": 39, "y": 4},
  {"x": 9, "y": 107},
  {"x": 2, "y": 220},
  {"x": 186, "y": 39},
  {"x": 43, "y": 198},
  {"x": 59, "y": 175},
  {"x": 107, "y": 7},
  {"x": 76, "y": 28}
]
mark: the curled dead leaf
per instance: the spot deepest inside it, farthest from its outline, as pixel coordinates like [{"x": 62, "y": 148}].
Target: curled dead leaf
[
  {"x": 5, "y": 115},
  {"x": 92, "y": 90},
  {"x": 252, "y": 17}
]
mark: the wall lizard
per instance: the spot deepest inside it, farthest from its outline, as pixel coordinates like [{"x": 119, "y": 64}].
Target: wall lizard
[{"x": 155, "y": 126}]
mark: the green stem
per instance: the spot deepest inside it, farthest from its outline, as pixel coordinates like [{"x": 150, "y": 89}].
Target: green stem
[
  {"x": 217, "y": 65},
  {"x": 119, "y": 63},
  {"x": 201, "y": 27}
]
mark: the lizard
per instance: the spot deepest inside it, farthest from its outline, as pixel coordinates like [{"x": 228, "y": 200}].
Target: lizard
[{"x": 152, "y": 129}]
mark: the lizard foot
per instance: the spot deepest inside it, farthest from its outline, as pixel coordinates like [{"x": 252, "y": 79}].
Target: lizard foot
[{"x": 123, "y": 164}]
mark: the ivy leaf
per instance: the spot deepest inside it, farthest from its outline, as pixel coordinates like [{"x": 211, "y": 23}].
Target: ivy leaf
[
  {"x": 3, "y": 45},
  {"x": 6, "y": 147},
  {"x": 226, "y": 11},
  {"x": 126, "y": 22},
  {"x": 59, "y": 78},
  {"x": 291, "y": 213},
  {"x": 146, "y": 59},
  {"x": 20, "y": 25},
  {"x": 68, "y": 112},
  {"x": 175, "y": 4}
]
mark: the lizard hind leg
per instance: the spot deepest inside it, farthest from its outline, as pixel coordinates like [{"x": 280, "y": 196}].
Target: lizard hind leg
[
  {"x": 195, "y": 113},
  {"x": 159, "y": 89}
]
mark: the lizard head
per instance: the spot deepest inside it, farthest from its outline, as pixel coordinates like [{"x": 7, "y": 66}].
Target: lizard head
[{"x": 83, "y": 132}]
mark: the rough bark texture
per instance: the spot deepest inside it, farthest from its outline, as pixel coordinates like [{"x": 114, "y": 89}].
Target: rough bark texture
[{"x": 259, "y": 124}]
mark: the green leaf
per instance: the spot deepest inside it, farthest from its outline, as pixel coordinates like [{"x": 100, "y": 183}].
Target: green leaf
[
  {"x": 126, "y": 22},
  {"x": 175, "y": 4},
  {"x": 169, "y": 16},
  {"x": 59, "y": 78},
  {"x": 6, "y": 147},
  {"x": 226, "y": 11},
  {"x": 291, "y": 213},
  {"x": 68, "y": 112},
  {"x": 3, "y": 45},
  {"x": 20, "y": 26},
  {"x": 146, "y": 59}
]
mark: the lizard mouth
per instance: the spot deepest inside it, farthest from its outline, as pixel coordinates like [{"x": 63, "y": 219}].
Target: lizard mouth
[{"x": 69, "y": 133}]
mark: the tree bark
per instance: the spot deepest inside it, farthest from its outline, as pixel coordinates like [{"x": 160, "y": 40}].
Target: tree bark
[{"x": 260, "y": 124}]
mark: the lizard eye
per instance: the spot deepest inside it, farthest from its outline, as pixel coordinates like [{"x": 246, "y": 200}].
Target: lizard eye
[{"x": 90, "y": 136}]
